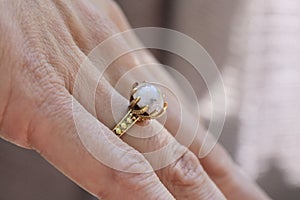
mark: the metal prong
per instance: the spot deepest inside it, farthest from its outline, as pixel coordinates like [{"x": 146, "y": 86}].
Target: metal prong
[
  {"x": 165, "y": 105},
  {"x": 135, "y": 85},
  {"x": 141, "y": 111},
  {"x": 134, "y": 102},
  {"x": 133, "y": 91},
  {"x": 163, "y": 110}
]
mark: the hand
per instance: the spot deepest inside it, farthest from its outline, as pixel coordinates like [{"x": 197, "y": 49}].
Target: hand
[{"x": 42, "y": 45}]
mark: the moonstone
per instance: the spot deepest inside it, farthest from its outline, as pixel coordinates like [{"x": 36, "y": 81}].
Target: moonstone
[{"x": 151, "y": 96}]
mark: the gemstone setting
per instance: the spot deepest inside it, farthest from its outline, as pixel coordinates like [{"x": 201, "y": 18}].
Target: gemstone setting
[{"x": 150, "y": 96}]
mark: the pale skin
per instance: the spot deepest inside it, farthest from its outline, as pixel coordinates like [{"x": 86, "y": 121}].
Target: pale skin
[{"x": 42, "y": 44}]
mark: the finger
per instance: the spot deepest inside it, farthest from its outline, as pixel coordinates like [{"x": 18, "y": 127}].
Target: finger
[
  {"x": 54, "y": 133},
  {"x": 229, "y": 177}
]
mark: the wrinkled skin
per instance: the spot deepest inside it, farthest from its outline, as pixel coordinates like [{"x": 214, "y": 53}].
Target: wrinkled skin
[{"x": 42, "y": 44}]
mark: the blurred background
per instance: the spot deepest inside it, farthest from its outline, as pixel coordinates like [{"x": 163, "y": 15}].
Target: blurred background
[{"x": 256, "y": 46}]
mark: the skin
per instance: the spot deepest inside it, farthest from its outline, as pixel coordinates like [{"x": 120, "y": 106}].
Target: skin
[{"x": 42, "y": 44}]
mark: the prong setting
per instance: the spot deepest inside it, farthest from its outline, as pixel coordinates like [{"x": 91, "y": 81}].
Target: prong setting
[
  {"x": 143, "y": 112},
  {"x": 135, "y": 85},
  {"x": 146, "y": 102}
]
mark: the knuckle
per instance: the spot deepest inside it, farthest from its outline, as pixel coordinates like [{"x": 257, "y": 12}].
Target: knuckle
[
  {"x": 132, "y": 161},
  {"x": 186, "y": 171},
  {"x": 136, "y": 173}
]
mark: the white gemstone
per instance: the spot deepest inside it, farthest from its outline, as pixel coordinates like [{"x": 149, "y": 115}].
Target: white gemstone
[{"x": 151, "y": 96}]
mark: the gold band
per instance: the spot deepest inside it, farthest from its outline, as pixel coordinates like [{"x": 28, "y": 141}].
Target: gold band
[{"x": 128, "y": 121}]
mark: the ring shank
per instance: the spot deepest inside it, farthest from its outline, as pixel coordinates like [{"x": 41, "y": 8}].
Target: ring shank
[{"x": 128, "y": 121}]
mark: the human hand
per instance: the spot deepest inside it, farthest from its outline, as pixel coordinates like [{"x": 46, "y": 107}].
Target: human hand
[{"x": 43, "y": 45}]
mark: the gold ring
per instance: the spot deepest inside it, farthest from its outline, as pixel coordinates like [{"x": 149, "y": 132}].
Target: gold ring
[{"x": 146, "y": 102}]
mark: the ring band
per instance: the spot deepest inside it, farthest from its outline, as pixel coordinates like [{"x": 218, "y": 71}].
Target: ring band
[{"x": 146, "y": 102}]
